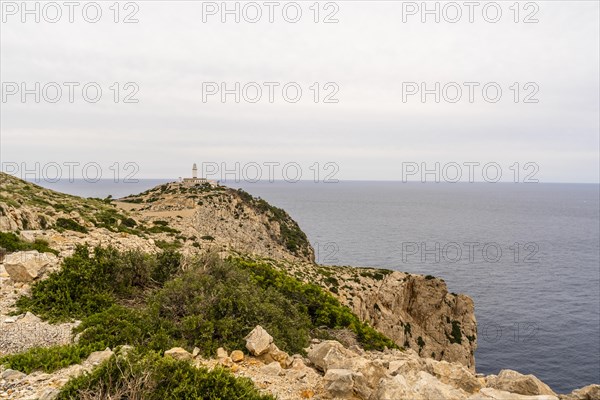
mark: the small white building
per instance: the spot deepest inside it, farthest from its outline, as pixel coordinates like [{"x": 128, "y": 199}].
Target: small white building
[{"x": 195, "y": 180}]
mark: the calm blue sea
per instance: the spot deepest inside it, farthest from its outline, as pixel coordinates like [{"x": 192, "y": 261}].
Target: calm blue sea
[{"x": 528, "y": 254}]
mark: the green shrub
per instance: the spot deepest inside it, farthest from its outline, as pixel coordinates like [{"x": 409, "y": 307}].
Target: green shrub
[
  {"x": 217, "y": 304},
  {"x": 49, "y": 359},
  {"x": 86, "y": 285},
  {"x": 70, "y": 224},
  {"x": 321, "y": 307},
  {"x": 456, "y": 335},
  {"x": 151, "y": 377},
  {"x": 11, "y": 243}
]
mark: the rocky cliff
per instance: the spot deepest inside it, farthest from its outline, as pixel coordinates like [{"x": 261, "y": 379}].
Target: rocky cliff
[{"x": 436, "y": 330}]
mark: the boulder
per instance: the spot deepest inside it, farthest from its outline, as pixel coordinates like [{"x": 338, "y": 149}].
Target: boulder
[
  {"x": 237, "y": 356},
  {"x": 329, "y": 353},
  {"x": 429, "y": 387},
  {"x": 258, "y": 341},
  {"x": 98, "y": 357},
  {"x": 179, "y": 353},
  {"x": 590, "y": 392},
  {"x": 395, "y": 388},
  {"x": 25, "y": 266},
  {"x": 453, "y": 374},
  {"x": 515, "y": 382},
  {"x": 495, "y": 394},
  {"x": 339, "y": 382},
  {"x": 272, "y": 369}
]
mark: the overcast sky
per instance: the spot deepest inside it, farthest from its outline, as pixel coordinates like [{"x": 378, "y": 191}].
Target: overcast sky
[{"x": 171, "y": 55}]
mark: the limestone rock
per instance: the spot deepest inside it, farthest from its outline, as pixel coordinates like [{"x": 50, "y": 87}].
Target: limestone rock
[
  {"x": 394, "y": 389},
  {"x": 221, "y": 353},
  {"x": 495, "y": 394},
  {"x": 30, "y": 236},
  {"x": 453, "y": 374},
  {"x": 25, "y": 266},
  {"x": 195, "y": 352},
  {"x": 428, "y": 387},
  {"x": 12, "y": 375},
  {"x": 237, "y": 356},
  {"x": 515, "y": 382},
  {"x": 179, "y": 353},
  {"x": 258, "y": 341},
  {"x": 272, "y": 369},
  {"x": 226, "y": 361},
  {"x": 98, "y": 357},
  {"x": 590, "y": 392},
  {"x": 339, "y": 382},
  {"x": 328, "y": 353}
]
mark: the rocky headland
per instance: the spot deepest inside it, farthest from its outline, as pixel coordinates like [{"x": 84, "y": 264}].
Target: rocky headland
[{"x": 422, "y": 345}]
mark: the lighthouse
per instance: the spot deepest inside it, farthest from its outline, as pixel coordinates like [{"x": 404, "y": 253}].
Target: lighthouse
[{"x": 194, "y": 171}]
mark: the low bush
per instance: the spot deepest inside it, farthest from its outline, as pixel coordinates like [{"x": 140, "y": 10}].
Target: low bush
[
  {"x": 87, "y": 284},
  {"x": 11, "y": 243},
  {"x": 150, "y": 377},
  {"x": 70, "y": 224},
  {"x": 321, "y": 307},
  {"x": 49, "y": 359}
]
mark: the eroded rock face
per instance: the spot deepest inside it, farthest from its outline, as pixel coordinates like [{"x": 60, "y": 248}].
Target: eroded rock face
[
  {"x": 418, "y": 312},
  {"x": 25, "y": 266}
]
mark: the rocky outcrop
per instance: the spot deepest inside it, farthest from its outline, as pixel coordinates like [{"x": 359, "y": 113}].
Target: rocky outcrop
[
  {"x": 512, "y": 381},
  {"x": 419, "y": 312},
  {"x": 590, "y": 392},
  {"x": 415, "y": 311}
]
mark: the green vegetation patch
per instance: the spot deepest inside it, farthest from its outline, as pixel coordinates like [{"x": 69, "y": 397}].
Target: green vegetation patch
[
  {"x": 152, "y": 377},
  {"x": 87, "y": 284},
  {"x": 11, "y": 243}
]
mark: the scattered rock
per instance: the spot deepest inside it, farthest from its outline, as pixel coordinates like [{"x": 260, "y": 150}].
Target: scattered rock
[
  {"x": 226, "y": 361},
  {"x": 273, "y": 368},
  {"x": 195, "y": 352},
  {"x": 221, "y": 353},
  {"x": 237, "y": 356},
  {"x": 98, "y": 357}
]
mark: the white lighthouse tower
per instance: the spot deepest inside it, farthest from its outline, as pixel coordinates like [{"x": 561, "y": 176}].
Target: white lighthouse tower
[{"x": 194, "y": 171}]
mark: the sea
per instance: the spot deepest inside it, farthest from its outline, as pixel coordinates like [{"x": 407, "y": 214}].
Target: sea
[{"x": 527, "y": 253}]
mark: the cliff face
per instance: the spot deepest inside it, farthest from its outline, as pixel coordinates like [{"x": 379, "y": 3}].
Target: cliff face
[
  {"x": 420, "y": 313},
  {"x": 415, "y": 311}
]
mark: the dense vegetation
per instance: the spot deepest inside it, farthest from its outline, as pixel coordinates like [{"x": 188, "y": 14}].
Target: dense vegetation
[{"x": 150, "y": 303}]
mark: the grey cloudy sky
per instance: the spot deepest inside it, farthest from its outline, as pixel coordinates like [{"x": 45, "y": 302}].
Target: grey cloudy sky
[{"x": 368, "y": 55}]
